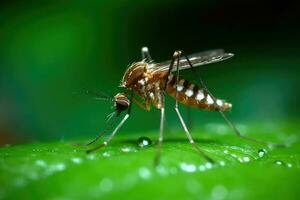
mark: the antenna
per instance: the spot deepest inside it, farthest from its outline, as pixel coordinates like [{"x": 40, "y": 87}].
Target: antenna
[{"x": 97, "y": 95}]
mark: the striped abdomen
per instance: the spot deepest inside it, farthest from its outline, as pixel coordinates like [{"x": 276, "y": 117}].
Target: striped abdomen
[{"x": 194, "y": 96}]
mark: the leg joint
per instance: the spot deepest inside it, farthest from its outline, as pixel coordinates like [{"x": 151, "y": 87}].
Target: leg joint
[{"x": 177, "y": 53}]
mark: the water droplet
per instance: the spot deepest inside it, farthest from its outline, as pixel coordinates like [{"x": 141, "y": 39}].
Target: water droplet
[
  {"x": 222, "y": 163},
  {"x": 51, "y": 169},
  {"x": 262, "y": 153},
  {"x": 226, "y": 151},
  {"x": 208, "y": 165},
  {"x": 40, "y": 163},
  {"x": 106, "y": 154},
  {"x": 289, "y": 165},
  {"x": 144, "y": 142},
  {"x": 76, "y": 160},
  {"x": 144, "y": 173},
  {"x": 246, "y": 159},
  {"x": 91, "y": 156},
  {"x": 188, "y": 167},
  {"x": 128, "y": 149},
  {"x": 60, "y": 167},
  {"x": 279, "y": 162},
  {"x": 234, "y": 155}
]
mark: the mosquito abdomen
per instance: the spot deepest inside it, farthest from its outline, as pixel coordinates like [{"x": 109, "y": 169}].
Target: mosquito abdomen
[{"x": 195, "y": 96}]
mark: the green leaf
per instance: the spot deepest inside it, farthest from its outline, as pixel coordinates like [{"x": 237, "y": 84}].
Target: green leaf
[{"x": 123, "y": 170}]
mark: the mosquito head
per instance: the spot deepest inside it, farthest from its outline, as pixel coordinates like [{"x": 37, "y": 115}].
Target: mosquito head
[
  {"x": 121, "y": 102},
  {"x": 134, "y": 73}
]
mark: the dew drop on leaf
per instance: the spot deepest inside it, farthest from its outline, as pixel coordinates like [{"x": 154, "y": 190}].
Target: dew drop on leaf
[
  {"x": 144, "y": 142},
  {"x": 262, "y": 153},
  {"x": 222, "y": 163},
  {"x": 279, "y": 162},
  {"x": 144, "y": 173}
]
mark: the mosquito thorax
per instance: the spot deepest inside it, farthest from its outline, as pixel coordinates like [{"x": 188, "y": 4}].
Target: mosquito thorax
[
  {"x": 121, "y": 102},
  {"x": 133, "y": 74}
]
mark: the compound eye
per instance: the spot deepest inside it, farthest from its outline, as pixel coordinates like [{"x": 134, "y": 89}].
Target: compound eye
[
  {"x": 121, "y": 105},
  {"x": 121, "y": 102}
]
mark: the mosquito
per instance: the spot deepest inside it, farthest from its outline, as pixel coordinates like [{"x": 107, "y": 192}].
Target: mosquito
[{"x": 152, "y": 81}]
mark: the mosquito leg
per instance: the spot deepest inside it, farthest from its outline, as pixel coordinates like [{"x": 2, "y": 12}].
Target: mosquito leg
[
  {"x": 105, "y": 143},
  {"x": 162, "y": 115},
  {"x": 189, "y": 118},
  {"x": 161, "y": 136},
  {"x": 146, "y": 54},
  {"x": 100, "y": 134},
  {"x": 176, "y": 55},
  {"x": 237, "y": 132},
  {"x": 188, "y": 134}
]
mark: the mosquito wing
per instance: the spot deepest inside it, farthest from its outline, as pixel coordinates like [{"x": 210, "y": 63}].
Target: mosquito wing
[{"x": 197, "y": 59}]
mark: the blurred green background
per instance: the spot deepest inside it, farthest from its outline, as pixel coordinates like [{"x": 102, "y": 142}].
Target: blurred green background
[{"x": 51, "y": 50}]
